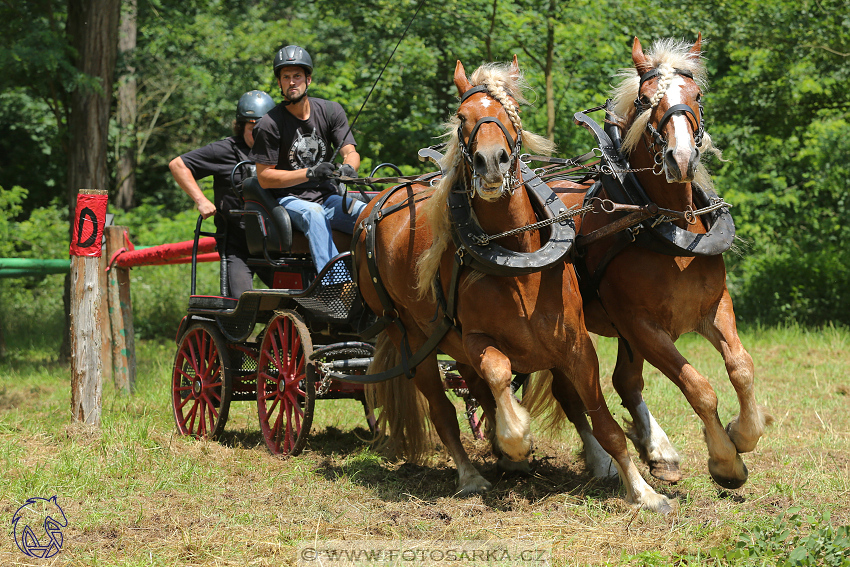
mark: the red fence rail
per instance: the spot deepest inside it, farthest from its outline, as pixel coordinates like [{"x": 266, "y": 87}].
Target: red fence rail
[{"x": 173, "y": 253}]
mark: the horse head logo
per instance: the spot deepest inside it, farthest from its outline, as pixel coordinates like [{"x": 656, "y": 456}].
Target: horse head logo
[
  {"x": 306, "y": 151},
  {"x": 47, "y": 517}
]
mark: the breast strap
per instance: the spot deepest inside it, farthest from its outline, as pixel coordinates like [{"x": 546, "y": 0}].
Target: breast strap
[{"x": 496, "y": 260}]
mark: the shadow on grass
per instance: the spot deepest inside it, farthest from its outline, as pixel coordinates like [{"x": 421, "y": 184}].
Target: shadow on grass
[
  {"x": 346, "y": 454},
  {"x": 243, "y": 439}
]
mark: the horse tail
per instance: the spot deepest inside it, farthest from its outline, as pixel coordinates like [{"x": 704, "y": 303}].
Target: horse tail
[
  {"x": 403, "y": 428},
  {"x": 537, "y": 398}
]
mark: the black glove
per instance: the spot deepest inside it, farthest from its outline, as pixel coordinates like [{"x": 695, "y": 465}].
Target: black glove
[
  {"x": 320, "y": 171},
  {"x": 346, "y": 170}
]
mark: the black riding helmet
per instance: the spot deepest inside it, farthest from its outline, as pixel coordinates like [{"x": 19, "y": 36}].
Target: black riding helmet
[
  {"x": 253, "y": 105},
  {"x": 293, "y": 55}
]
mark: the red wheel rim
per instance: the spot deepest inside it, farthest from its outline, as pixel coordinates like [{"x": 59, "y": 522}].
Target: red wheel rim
[
  {"x": 196, "y": 385},
  {"x": 280, "y": 386}
]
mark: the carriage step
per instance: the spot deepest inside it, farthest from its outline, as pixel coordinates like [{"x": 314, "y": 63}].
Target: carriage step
[{"x": 216, "y": 302}]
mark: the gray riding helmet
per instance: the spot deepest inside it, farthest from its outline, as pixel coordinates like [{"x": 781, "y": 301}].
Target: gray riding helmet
[
  {"x": 293, "y": 55},
  {"x": 253, "y": 105}
]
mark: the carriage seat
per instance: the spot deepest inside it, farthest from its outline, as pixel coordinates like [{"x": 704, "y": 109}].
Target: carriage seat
[{"x": 280, "y": 238}]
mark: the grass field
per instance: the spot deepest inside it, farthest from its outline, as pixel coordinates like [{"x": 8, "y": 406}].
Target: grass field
[{"x": 135, "y": 493}]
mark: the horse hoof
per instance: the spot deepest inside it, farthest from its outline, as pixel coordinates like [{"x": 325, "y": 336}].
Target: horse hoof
[
  {"x": 506, "y": 465},
  {"x": 478, "y": 486},
  {"x": 659, "y": 504},
  {"x": 664, "y": 507},
  {"x": 668, "y": 472},
  {"x": 731, "y": 483}
]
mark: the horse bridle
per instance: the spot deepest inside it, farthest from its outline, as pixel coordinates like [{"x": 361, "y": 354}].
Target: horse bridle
[
  {"x": 465, "y": 147},
  {"x": 659, "y": 143}
]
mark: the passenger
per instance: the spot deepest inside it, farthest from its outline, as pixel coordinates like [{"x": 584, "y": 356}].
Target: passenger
[
  {"x": 218, "y": 159},
  {"x": 293, "y": 145}
]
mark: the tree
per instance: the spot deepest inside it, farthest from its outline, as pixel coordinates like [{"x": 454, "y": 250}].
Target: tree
[
  {"x": 125, "y": 169},
  {"x": 93, "y": 34}
]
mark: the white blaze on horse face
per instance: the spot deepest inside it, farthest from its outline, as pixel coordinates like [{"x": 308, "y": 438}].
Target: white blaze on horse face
[{"x": 684, "y": 141}]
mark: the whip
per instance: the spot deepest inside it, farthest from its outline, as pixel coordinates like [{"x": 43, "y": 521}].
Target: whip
[{"x": 351, "y": 125}]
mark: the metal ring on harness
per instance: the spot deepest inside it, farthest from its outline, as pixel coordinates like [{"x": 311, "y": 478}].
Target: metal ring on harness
[{"x": 393, "y": 314}]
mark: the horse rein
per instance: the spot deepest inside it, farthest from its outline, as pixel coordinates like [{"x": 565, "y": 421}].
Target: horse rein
[
  {"x": 465, "y": 147},
  {"x": 659, "y": 143}
]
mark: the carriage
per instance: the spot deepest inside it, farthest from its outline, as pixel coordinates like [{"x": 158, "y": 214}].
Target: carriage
[
  {"x": 515, "y": 307},
  {"x": 284, "y": 347}
]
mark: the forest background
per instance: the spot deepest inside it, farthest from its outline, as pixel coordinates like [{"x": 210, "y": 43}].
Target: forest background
[{"x": 777, "y": 105}]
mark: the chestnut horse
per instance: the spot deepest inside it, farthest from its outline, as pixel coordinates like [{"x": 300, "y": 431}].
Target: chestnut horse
[
  {"x": 503, "y": 324},
  {"x": 647, "y": 298}
]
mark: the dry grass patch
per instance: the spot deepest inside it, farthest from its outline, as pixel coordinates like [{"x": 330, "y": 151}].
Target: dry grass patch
[{"x": 135, "y": 493}]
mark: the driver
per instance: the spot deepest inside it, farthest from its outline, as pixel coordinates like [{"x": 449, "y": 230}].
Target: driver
[
  {"x": 218, "y": 159},
  {"x": 293, "y": 144}
]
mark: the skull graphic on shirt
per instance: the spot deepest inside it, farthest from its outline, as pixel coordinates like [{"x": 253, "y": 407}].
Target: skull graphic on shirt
[{"x": 306, "y": 151}]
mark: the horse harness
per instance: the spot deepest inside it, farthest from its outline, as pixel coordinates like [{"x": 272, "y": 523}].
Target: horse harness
[
  {"x": 659, "y": 143},
  {"x": 474, "y": 248},
  {"x": 465, "y": 147},
  {"x": 390, "y": 315},
  {"x": 626, "y": 194}
]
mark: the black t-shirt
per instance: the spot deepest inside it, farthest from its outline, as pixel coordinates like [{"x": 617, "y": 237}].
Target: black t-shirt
[
  {"x": 284, "y": 141},
  {"x": 218, "y": 159}
]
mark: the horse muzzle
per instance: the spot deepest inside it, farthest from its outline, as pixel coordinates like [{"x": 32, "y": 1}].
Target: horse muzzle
[
  {"x": 493, "y": 190},
  {"x": 679, "y": 168}
]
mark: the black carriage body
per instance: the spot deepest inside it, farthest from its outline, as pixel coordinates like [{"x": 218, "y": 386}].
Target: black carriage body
[{"x": 230, "y": 349}]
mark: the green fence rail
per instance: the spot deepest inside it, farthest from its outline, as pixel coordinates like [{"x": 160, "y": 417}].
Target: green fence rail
[{"x": 23, "y": 267}]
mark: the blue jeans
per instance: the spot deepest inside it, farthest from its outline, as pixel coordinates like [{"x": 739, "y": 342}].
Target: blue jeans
[{"x": 316, "y": 220}]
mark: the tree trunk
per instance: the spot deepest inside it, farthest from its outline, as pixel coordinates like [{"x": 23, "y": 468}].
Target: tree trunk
[
  {"x": 93, "y": 34},
  {"x": 126, "y": 143},
  {"x": 547, "y": 71},
  {"x": 488, "y": 39}
]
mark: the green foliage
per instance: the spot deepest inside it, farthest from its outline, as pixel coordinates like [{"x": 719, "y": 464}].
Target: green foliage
[
  {"x": 10, "y": 207},
  {"x": 160, "y": 293},
  {"x": 31, "y": 308},
  {"x": 789, "y": 285},
  {"x": 784, "y": 544},
  {"x": 778, "y": 105}
]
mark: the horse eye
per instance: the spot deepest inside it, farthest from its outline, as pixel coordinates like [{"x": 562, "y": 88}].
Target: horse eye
[{"x": 644, "y": 99}]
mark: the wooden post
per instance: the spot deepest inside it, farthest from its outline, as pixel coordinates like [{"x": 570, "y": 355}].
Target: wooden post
[
  {"x": 104, "y": 324},
  {"x": 120, "y": 316},
  {"x": 86, "y": 305}
]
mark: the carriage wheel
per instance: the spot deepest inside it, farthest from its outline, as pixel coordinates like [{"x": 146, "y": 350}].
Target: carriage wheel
[
  {"x": 200, "y": 382},
  {"x": 285, "y": 393}
]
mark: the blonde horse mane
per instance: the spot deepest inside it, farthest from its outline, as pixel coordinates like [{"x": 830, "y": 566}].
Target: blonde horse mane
[
  {"x": 666, "y": 55},
  {"x": 508, "y": 88}
]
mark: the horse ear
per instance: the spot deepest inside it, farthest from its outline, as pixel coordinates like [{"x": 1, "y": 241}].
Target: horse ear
[
  {"x": 515, "y": 72},
  {"x": 642, "y": 64},
  {"x": 697, "y": 47},
  {"x": 461, "y": 82}
]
